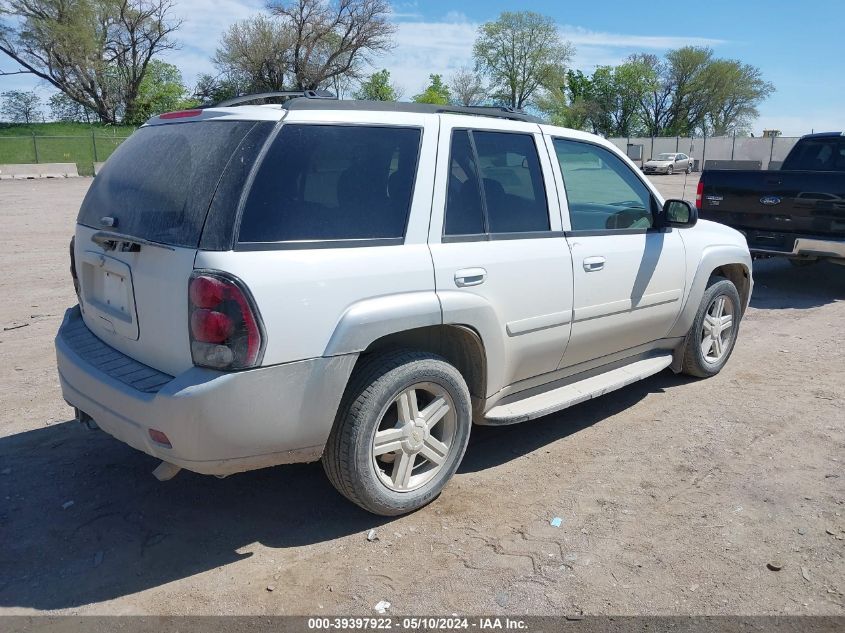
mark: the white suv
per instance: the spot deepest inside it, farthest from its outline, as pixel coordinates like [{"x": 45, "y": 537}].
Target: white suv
[{"x": 361, "y": 282}]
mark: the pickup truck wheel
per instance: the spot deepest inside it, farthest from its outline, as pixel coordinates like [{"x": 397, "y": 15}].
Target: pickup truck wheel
[
  {"x": 401, "y": 432},
  {"x": 711, "y": 338}
]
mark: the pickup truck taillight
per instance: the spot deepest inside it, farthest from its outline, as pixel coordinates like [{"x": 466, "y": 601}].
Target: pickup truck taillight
[
  {"x": 699, "y": 192},
  {"x": 225, "y": 327}
]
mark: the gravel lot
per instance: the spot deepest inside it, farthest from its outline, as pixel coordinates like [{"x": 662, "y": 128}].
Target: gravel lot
[{"x": 675, "y": 493}]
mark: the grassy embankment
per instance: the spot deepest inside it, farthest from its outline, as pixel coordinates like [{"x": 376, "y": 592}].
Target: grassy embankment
[{"x": 60, "y": 143}]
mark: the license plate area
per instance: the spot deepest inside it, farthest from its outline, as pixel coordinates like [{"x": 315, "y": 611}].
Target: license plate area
[{"x": 108, "y": 295}]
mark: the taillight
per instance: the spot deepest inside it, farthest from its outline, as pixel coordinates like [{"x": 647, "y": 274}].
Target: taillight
[
  {"x": 699, "y": 192},
  {"x": 226, "y": 330},
  {"x": 180, "y": 114}
]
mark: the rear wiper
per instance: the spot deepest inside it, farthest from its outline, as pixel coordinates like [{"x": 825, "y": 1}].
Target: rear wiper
[{"x": 124, "y": 243}]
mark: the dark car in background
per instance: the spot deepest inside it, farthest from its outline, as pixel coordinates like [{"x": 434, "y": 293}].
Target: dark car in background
[{"x": 797, "y": 211}]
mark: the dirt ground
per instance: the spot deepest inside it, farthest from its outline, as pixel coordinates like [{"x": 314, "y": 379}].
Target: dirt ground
[{"x": 674, "y": 493}]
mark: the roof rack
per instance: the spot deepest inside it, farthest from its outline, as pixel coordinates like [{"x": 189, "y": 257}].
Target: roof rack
[
  {"x": 290, "y": 94},
  {"x": 498, "y": 112}
]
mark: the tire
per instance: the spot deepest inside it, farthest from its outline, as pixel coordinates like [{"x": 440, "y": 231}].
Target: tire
[
  {"x": 703, "y": 360},
  {"x": 670, "y": 170},
  {"x": 689, "y": 168},
  {"x": 377, "y": 400}
]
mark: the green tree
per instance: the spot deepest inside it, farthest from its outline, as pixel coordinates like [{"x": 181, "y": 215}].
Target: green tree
[
  {"x": 520, "y": 53},
  {"x": 378, "y": 87},
  {"x": 162, "y": 90},
  {"x": 436, "y": 92},
  {"x": 63, "y": 108},
  {"x": 95, "y": 51},
  {"x": 617, "y": 94},
  {"x": 18, "y": 106},
  {"x": 735, "y": 90},
  {"x": 691, "y": 99}
]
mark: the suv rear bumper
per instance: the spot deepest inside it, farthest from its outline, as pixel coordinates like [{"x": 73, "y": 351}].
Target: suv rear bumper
[{"x": 218, "y": 423}]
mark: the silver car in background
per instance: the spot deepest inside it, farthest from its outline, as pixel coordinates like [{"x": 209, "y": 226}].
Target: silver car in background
[{"x": 671, "y": 163}]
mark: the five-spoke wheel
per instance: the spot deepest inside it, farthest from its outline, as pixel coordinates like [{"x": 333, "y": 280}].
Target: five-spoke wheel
[
  {"x": 711, "y": 338},
  {"x": 401, "y": 432}
]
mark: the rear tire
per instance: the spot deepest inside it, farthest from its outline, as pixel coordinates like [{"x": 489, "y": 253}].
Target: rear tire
[
  {"x": 712, "y": 337},
  {"x": 401, "y": 432}
]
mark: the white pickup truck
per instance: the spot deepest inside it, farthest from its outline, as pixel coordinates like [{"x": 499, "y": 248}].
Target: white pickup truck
[{"x": 361, "y": 282}]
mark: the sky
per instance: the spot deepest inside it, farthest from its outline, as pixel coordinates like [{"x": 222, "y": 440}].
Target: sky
[{"x": 797, "y": 45}]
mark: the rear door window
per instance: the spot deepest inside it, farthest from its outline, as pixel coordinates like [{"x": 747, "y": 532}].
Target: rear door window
[
  {"x": 333, "y": 182},
  {"x": 495, "y": 185},
  {"x": 159, "y": 183}
]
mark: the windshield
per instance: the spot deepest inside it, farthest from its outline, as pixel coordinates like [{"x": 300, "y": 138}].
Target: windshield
[
  {"x": 665, "y": 157},
  {"x": 159, "y": 183}
]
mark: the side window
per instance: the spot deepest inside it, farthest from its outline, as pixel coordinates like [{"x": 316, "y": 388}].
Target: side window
[
  {"x": 333, "y": 182},
  {"x": 508, "y": 167},
  {"x": 464, "y": 213},
  {"x": 603, "y": 192},
  {"x": 514, "y": 193}
]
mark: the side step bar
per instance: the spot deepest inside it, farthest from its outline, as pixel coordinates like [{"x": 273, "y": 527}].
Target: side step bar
[{"x": 562, "y": 397}]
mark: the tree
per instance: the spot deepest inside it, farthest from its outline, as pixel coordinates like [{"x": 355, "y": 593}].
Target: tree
[
  {"x": 690, "y": 98},
  {"x": 378, "y": 87},
  {"x": 256, "y": 51},
  {"x": 21, "y": 107},
  {"x": 735, "y": 90},
  {"x": 656, "y": 99},
  {"x": 467, "y": 87},
  {"x": 617, "y": 93},
  {"x": 63, "y": 108},
  {"x": 519, "y": 53},
  {"x": 95, "y": 51},
  {"x": 436, "y": 92},
  {"x": 162, "y": 90},
  {"x": 331, "y": 38}
]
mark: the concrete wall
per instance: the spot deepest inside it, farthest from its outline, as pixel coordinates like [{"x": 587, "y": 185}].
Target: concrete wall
[
  {"x": 714, "y": 147},
  {"x": 38, "y": 170}
]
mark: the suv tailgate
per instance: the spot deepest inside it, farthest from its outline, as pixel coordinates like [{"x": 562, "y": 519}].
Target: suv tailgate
[{"x": 138, "y": 231}]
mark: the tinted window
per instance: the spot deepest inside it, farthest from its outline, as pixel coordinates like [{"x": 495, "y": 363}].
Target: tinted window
[
  {"x": 159, "y": 183},
  {"x": 514, "y": 193},
  {"x": 333, "y": 182},
  {"x": 464, "y": 214},
  {"x": 817, "y": 155},
  {"x": 603, "y": 192},
  {"x": 508, "y": 166}
]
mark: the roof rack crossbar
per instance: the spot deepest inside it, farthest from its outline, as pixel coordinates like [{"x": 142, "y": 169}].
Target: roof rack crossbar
[{"x": 290, "y": 94}]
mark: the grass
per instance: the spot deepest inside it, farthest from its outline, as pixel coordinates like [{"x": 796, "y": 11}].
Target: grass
[{"x": 78, "y": 143}]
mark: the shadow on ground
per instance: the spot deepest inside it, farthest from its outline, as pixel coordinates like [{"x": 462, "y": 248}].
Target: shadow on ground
[
  {"x": 126, "y": 532},
  {"x": 779, "y": 285}
]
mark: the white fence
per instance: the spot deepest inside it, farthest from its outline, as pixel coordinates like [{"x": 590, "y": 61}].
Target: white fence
[{"x": 765, "y": 150}]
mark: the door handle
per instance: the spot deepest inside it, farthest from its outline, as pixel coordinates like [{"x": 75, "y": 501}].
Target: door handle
[
  {"x": 593, "y": 264},
  {"x": 470, "y": 277}
]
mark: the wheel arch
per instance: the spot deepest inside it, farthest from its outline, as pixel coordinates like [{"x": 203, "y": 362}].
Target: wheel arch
[{"x": 460, "y": 345}]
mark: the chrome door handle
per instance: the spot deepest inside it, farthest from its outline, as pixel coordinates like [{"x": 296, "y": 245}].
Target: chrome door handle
[
  {"x": 470, "y": 277},
  {"x": 593, "y": 264}
]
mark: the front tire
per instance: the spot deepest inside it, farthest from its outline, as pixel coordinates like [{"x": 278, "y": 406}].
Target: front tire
[
  {"x": 670, "y": 170},
  {"x": 401, "y": 432},
  {"x": 712, "y": 337}
]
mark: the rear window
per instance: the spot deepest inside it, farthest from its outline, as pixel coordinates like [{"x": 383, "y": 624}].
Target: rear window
[
  {"x": 333, "y": 182},
  {"x": 817, "y": 155},
  {"x": 159, "y": 183}
]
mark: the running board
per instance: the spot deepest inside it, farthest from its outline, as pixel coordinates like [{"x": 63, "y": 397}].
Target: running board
[{"x": 557, "y": 399}]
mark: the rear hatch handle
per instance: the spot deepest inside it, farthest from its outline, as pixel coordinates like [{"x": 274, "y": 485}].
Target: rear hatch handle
[{"x": 117, "y": 241}]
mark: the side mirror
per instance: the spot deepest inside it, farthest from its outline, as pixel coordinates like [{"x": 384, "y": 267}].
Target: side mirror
[{"x": 680, "y": 214}]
